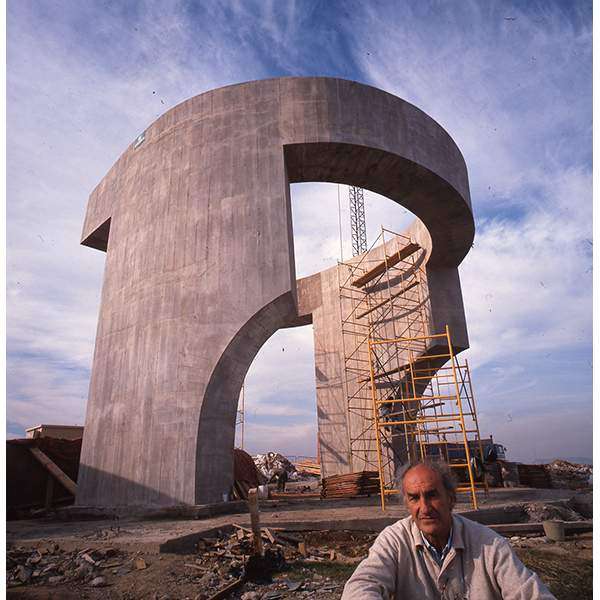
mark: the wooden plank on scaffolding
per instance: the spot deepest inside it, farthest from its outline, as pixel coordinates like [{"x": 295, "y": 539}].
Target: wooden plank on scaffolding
[
  {"x": 383, "y": 265},
  {"x": 391, "y": 297},
  {"x": 385, "y": 373},
  {"x": 54, "y": 470},
  {"x": 415, "y": 399}
]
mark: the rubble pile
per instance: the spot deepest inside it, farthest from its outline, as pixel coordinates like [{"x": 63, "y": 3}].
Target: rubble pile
[
  {"x": 52, "y": 566},
  {"x": 225, "y": 565},
  {"x": 280, "y": 549},
  {"x": 567, "y": 475},
  {"x": 540, "y": 511},
  {"x": 268, "y": 464}
]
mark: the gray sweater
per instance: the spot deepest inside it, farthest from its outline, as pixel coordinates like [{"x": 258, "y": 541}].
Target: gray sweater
[{"x": 481, "y": 565}]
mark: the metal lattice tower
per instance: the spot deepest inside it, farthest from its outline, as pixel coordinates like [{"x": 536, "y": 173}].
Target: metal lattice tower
[{"x": 357, "y": 220}]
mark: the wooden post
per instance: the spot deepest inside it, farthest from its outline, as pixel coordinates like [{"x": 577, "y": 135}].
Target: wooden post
[{"x": 255, "y": 521}]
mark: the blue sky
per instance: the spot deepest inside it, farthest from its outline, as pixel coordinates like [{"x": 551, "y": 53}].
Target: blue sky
[{"x": 511, "y": 83}]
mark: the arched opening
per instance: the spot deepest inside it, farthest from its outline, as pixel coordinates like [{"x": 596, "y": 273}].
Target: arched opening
[{"x": 280, "y": 407}]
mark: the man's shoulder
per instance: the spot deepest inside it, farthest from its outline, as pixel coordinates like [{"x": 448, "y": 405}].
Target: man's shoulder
[
  {"x": 400, "y": 529},
  {"x": 396, "y": 536}
]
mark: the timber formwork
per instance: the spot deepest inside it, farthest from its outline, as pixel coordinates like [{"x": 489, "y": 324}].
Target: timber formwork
[{"x": 408, "y": 398}]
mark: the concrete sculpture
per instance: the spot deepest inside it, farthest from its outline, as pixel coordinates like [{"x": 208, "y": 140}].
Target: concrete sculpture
[{"x": 196, "y": 224}]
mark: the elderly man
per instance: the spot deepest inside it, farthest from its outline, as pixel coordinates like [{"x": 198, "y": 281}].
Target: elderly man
[{"x": 435, "y": 554}]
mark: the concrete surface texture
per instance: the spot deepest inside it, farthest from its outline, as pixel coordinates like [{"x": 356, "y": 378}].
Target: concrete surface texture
[{"x": 196, "y": 225}]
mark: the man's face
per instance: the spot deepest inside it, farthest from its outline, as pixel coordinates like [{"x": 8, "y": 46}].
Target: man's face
[{"x": 429, "y": 503}]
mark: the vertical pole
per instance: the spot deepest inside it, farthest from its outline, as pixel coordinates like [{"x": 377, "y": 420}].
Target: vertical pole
[
  {"x": 345, "y": 387},
  {"x": 475, "y": 419},
  {"x": 243, "y": 411},
  {"x": 414, "y": 396},
  {"x": 377, "y": 434},
  {"x": 340, "y": 222},
  {"x": 462, "y": 419}
]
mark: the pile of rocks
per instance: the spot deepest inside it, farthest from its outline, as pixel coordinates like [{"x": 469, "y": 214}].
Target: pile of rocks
[
  {"x": 568, "y": 475},
  {"x": 548, "y": 511},
  {"x": 279, "y": 548},
  {"x": 52, "y": 566},
  {"x": 224, "y": 565}
]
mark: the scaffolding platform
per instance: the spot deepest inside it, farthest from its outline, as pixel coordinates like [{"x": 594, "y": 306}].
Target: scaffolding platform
[{"x": 408, "y": 398}]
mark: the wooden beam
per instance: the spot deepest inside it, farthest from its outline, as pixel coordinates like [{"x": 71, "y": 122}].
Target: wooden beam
[
  {"x": 55, "y": 470},
  {"x": 386, "y": 264},
  {"x": 255, "y": 522}
]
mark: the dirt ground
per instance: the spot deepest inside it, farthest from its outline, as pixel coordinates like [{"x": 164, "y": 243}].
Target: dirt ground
[
  {"x": 331, "y": 557},
  {"x": 565, "y": 567},
  {"x": 313, "y": 547}
]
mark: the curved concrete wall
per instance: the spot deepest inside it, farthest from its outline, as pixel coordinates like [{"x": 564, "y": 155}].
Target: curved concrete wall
[{"x": 196, "y": 224}]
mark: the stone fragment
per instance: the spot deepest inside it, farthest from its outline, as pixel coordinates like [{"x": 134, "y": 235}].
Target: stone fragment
[
  {"x": 98, "y": 582},
  {"x": 139, "y": 563},
  {"x": 88, "y": 558},
  {"x": 23, "y": 574},
  {"x": 82, "y": 571}
]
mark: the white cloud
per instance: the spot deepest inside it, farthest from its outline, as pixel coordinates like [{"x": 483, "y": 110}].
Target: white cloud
[
  {"x": 514, "y": 95},
  {"x": 527, "y": 282}
]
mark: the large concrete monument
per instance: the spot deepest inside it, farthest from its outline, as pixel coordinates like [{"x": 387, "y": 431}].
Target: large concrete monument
[{"x": 196, "y": 224}]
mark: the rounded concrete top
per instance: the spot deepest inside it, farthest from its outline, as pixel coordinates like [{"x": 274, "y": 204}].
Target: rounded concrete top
[{"x": 334, "y": 130}]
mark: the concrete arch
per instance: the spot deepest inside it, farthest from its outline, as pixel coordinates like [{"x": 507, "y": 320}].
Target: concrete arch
[
  {"x": 200, "y": 264},
  {"x": 216, "y": 427}
]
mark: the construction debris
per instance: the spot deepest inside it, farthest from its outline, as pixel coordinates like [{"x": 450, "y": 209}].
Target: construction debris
[
  {"x": 559, "y": 474},
  {"x": 350, "y": 485},
  {"x": 546, "y": 511},
  {"x": 51, "y": 566},
  {"x": 270, "y": 463},
  {"x": 566, "y": 475}
]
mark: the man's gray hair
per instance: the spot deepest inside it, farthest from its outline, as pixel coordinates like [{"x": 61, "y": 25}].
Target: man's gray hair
[{"x": 448, "y": 478}]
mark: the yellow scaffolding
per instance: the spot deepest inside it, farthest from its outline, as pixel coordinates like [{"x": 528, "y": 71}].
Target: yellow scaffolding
[{"x": 403, "y": 401}]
